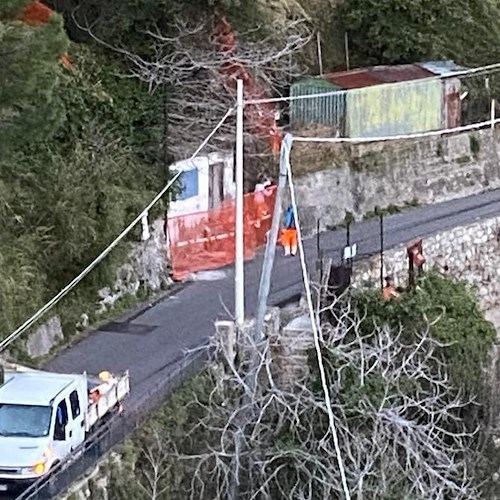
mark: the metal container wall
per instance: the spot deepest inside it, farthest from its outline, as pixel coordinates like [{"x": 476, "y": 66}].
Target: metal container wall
[
  {"x": 328, "y": 111},
  {"x": 395, "y": 108},
  {"x": 452, "y": 105}
]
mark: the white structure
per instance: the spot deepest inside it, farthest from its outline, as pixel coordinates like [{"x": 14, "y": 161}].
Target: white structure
[{"x": 205, "y": 183}]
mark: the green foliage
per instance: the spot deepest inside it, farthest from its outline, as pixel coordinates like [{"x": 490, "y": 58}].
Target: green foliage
[
  {"x": 184, "y": 439},
  {"x": 136, "y": 113},
  {"x": 10, "y": 8},
  {"x": 455, "y": 320},
  {"x": 81, "y": 149},
  {"x": 31, "y": 73},
  {"x": 175, "y": 426},
  {"x": 475, "y": 145},
  {"x": 66, "y": 195},
  {"x": 406, "y": 31}
]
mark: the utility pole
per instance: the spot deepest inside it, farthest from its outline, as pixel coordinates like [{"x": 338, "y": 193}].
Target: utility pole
[
  {"x": 267, "y": 267},
  {"x": 246, "y": 405},
  {"x": 239, "y": 283}
]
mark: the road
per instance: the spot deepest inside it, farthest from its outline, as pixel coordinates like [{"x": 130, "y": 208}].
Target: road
[{"x": 150, "y": 344}]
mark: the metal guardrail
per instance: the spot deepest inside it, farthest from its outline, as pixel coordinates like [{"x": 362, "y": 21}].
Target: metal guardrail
[{"x": 114, "y": 431}]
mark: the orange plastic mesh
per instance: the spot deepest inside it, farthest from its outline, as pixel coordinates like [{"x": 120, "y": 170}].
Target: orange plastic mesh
[
  {"x": 35, "y": 13},
  {"x": 261, "y": 117},
  {"x": 205, "y": 240}
]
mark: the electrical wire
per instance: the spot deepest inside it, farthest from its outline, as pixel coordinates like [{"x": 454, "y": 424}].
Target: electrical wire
[
  {"x": 315, "y": 327},
  {"x": 415, "y": 135},
  {"x": 52, "y": 302}
]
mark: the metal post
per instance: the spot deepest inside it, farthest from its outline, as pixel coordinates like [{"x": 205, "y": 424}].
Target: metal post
[
  {"x": 320, "y": 56},
  {"x": 346, "y": 47},
  {"x": 165, "y": 129},
  {"x": 239, "y": 284},
  {"x": 267, "y": 267},
  {"x": 381, "y": 251},
  {"x": 349, "y": 243},
  {"x": 318, "y": 243},
  {"x": 492, "y": 112}
]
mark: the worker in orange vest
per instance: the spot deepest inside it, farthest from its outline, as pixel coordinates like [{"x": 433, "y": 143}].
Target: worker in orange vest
[
  {"x": 289, "y": 233},
  {"x": 390, "y": 292}
]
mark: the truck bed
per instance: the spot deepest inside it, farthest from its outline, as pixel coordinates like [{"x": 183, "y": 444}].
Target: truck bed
[{"x": 115, "y": 391}]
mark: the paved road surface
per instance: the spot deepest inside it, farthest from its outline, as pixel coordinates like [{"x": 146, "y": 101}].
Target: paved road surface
[{"x": 160, "y": 336}]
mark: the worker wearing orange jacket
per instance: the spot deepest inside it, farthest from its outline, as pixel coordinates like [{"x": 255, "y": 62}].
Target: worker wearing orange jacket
[{"x": 289, "y": 233}]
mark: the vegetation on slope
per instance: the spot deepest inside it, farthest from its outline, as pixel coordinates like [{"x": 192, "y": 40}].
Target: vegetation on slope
[
  {"x": 81, "y": 147},
  {"x": 387, "y": 377},
  {"x": 71, "y": 176}
]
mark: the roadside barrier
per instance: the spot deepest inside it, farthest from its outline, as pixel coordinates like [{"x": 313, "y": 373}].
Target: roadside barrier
[{"x": 206, "y": 240}]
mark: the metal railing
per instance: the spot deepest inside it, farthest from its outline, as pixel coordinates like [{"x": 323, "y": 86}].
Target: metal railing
[{"x": 115, "y": 430}]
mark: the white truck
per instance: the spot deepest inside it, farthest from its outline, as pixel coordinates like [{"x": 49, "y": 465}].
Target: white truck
[{"x": 45, "y": 418}]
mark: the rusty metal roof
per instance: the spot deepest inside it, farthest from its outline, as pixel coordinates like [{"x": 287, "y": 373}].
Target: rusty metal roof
[
  {"x": 376, "y": 75},
  {"x": 353, "y": 79}
]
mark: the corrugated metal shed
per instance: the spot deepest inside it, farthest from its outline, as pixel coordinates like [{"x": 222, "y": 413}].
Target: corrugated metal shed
[
  {"x": 353, "y": 79},
  {"x": 402, "y": 73},
  {"x": 395, "y": 108},
  {"x": 407, "y": 98},
  {"x": 328, "y": 110},
  {"x": 366, "y": 77}
]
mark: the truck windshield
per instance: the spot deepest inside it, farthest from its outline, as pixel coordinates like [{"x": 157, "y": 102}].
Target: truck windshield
[{"x": 24, "y": 420}]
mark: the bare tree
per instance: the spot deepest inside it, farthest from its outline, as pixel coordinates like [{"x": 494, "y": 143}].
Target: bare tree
[
  {"x": 397, "y": 418},
  {"x": 198, "y": 66},
  {"x": 154, "y": 469}
]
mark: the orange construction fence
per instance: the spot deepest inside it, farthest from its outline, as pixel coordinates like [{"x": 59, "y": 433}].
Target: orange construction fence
[{"x": 206, "y": 240}]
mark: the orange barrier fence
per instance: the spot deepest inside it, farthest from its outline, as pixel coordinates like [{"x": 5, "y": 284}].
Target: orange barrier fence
[{"x": 205, "y": 240}]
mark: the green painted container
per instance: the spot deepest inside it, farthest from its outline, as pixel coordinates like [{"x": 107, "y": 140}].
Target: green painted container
[{"x": 328, "y": 110}]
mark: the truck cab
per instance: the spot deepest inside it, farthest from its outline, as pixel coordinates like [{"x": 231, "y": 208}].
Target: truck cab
[{"x": 42, "y": 421}]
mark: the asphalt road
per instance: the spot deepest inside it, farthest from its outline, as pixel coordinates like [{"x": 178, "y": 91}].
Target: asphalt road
[{"x": 150, "y": 344}]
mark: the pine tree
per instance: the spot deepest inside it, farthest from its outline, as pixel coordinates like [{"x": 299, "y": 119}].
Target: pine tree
[{"x": 31, "y": 68}]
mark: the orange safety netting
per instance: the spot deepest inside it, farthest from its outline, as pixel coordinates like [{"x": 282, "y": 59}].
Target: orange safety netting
[
  {"x": 261, "y": 117},
  {"x": 35, "y": 13},
  {"x": 206, "y": 240}
]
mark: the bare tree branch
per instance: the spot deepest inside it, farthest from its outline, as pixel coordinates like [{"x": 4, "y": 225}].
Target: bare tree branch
[
  {"x": 398, "y": 420},
  {"x": 200, "y": 75}
]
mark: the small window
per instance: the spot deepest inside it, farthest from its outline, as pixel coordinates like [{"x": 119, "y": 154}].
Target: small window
[
  {"x": 62, "y": 414},
  {"x": 188, "y": 181},
  {"x": 75, "y": 404},
  {"x": 61, "y": 421}
]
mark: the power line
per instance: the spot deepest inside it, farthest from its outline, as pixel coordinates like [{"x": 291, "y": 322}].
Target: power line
[
  {"x": 312, "y": 316},
  {"x": 416, "y": 135},
  {"x": 52, "y": 302}
]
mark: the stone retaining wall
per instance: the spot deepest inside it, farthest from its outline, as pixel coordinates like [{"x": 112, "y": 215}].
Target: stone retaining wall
[
  {"x": 470, "y": 253},
  {"x": 331, "y": 179}
]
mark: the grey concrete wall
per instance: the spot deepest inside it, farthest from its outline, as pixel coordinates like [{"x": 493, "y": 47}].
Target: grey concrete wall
[{"x": 331, "y": 179}]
